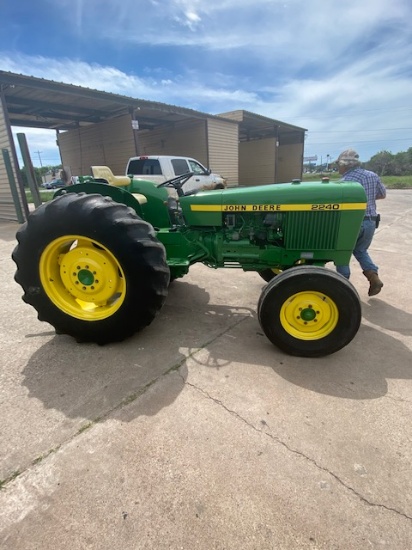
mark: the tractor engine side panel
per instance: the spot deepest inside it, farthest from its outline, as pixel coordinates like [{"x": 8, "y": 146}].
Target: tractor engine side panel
[{"x": 283, "y": 223}]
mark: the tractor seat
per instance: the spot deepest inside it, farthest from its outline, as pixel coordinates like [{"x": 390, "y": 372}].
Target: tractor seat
[{"x": 104, "y": 173}]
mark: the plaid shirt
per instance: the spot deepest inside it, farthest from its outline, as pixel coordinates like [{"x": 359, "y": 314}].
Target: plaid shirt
[{"x": 372, "y": 184}]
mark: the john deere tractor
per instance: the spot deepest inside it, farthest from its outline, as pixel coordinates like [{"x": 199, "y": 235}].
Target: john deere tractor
[{"x": 97, "y": 260}]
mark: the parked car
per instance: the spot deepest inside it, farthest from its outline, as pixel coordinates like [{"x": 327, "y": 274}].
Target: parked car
[{"x": 54, "y": 184}]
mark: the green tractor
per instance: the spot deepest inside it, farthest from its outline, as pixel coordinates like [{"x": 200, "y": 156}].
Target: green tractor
[{"x": 96, "y": 261}]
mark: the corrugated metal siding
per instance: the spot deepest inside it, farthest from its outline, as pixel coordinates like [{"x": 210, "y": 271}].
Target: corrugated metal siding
[
  {"x": 185, "y": 139},
  {"x": 109, "y": 143},
  {"x": 257, "y": 162},
  {"x": 290, "y": 162},
  {"x": 223, "y": 139},
  {"x": 7, "y": 208}
]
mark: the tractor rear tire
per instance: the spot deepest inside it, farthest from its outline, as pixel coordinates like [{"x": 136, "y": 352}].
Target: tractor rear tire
[
  {"x": 309, "y": 311},
  {"x": 91, "y": 268}
]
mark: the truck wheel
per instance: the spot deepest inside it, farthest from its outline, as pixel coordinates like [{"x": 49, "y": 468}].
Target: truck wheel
[
  {"x": 309, "y": 311},
  {"x": 91, "y": 268}
]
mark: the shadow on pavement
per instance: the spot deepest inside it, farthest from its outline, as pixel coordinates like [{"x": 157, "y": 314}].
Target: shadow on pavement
[
  {"x": 89, "y": 381},
  {"x": 359, "y": 371},
  {"x": 86, "y": 380},
  {"x": 8, "y": 231},
  {"x": 386, "y": 316}
]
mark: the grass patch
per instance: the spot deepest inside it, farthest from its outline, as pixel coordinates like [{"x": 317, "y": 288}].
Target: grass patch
[
  {"x": 390, "y": 182},
  {"x": 317, "y": 177},
  {"x": 45, "y": 195},
  {"x": 85, "y": 427},
  {"x": 397, "y": 182},
  {"x": 3, "y": 482}
]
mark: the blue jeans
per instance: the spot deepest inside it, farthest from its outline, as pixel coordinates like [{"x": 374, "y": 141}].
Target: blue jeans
[{"x": 360, "y": 251}]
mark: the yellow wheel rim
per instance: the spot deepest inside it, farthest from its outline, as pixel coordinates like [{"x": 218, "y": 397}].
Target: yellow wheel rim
[
  {"x": 309, "y": 315},
  {"x": 82, "y": 278}
]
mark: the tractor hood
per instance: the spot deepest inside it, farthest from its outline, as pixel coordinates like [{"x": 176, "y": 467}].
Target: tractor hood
[{"x": 208, "y": 207}]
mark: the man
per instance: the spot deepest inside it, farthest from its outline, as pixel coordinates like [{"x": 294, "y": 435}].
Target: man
[{"x": 350, "y": 170}]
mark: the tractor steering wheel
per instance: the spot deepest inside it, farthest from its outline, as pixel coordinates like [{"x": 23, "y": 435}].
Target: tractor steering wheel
[{"x": 177, "y": 183}]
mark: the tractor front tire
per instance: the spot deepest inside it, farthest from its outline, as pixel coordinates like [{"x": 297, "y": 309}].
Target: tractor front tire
[
  {"x": 268, "y": 274},
  {"x": 91, "y": 268},
  {"x": 309, "y": 311}
]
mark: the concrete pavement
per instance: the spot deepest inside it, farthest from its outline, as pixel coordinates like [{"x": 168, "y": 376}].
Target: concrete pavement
[{"x": 198, "y": 434}]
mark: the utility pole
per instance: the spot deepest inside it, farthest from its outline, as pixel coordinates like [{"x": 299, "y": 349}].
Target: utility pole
[{"x": 41, "y": 165}]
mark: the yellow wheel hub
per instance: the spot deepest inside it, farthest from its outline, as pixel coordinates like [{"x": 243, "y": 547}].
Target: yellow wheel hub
[
  {"x": 82, "y": 278},
  {"x": 309, "y": 315}
]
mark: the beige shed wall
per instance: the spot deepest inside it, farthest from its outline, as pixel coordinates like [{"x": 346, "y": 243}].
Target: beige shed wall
[
  {"x": 109, "y": 143},
  {"x": 257, "y": 161},
  {"x": 290, "y": 159},
  {"x": 258, "y": 158},
  {"x": 185, "y": 139},
  {"x": 223, "y": 138},
  {"x": 214, "y": 143},
  {"x": 7, "y": 207}
]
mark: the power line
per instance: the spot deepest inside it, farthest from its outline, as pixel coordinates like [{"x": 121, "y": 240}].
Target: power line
[
  {"x": 39, "y": 153},
  {"x": 356, "y": 131},
  {"x": 41, "y": 165},
  {"x": 358, "y": 141},
  {"x": 349, "y": 114}
]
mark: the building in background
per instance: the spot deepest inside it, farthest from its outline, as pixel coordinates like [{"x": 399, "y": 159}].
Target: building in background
[{"x": 99, "y": 128}]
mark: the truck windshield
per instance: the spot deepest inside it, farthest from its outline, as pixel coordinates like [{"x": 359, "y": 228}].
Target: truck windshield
[{"x": 196, "y": 167}]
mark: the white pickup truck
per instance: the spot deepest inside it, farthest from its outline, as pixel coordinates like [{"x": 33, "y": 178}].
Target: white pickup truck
[{"x": 160, "y": 168}]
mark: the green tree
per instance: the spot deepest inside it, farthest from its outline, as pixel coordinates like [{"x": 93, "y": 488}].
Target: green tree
[
  {"x": 381, "y": 163},
  {"x": 37, "y": 175},
  {"x": 40, "y": 173},
  {"x": 388, "y": 164}
]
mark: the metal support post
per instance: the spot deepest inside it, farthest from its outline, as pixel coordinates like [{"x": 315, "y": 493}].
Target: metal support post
[{"x": 13, "y": 186}]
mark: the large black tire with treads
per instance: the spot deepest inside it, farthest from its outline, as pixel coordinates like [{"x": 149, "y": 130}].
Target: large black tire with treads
[
  {"x": 91, "y": 268},
  {"x": 309, "y": 311}
]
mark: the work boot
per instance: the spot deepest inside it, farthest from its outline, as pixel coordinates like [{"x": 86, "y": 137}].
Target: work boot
[{"x": 375, "y": 284}]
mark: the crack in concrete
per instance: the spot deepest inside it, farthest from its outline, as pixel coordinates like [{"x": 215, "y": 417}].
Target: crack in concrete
[
  {"x": 298, "y": 453},
  {"x": 87, "y": 426},
  {"x": 123, "y": 403},
  {"x": 397, "y": 399}
]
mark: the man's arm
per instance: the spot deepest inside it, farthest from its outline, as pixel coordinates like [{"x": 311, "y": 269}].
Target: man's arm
[{"x": 380, "y": 190}]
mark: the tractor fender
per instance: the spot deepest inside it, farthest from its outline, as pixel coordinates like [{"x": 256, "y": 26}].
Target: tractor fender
[{"x": 118, "y": 194}]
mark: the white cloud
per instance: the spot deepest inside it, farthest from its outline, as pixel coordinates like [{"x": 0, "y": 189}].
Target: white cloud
[
  {"x": 281, "y": 27},
  {"x": 342, "y": 108},
  {"x": 179, "y": 91},
  {"x": 341, "y": 70}
]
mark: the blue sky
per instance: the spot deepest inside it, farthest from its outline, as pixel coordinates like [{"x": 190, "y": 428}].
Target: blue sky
[{"x": 343, "y": 70}]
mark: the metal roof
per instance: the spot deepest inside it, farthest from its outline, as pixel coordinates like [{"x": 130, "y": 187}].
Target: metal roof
[
  {"x": 254, "y": 126},
  {"x": 40, "y": 103}
]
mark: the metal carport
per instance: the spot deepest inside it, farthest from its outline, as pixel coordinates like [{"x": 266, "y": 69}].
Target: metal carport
[
  {"x": 38, "y": 103},
  {"x": 72, "y": 111}
]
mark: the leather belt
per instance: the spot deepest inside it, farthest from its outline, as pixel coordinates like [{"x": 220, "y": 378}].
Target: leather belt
[{"x": 372, "y": 218}]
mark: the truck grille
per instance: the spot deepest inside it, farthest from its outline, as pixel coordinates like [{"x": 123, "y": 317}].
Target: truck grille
[{"x": 311, "y": 230}]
